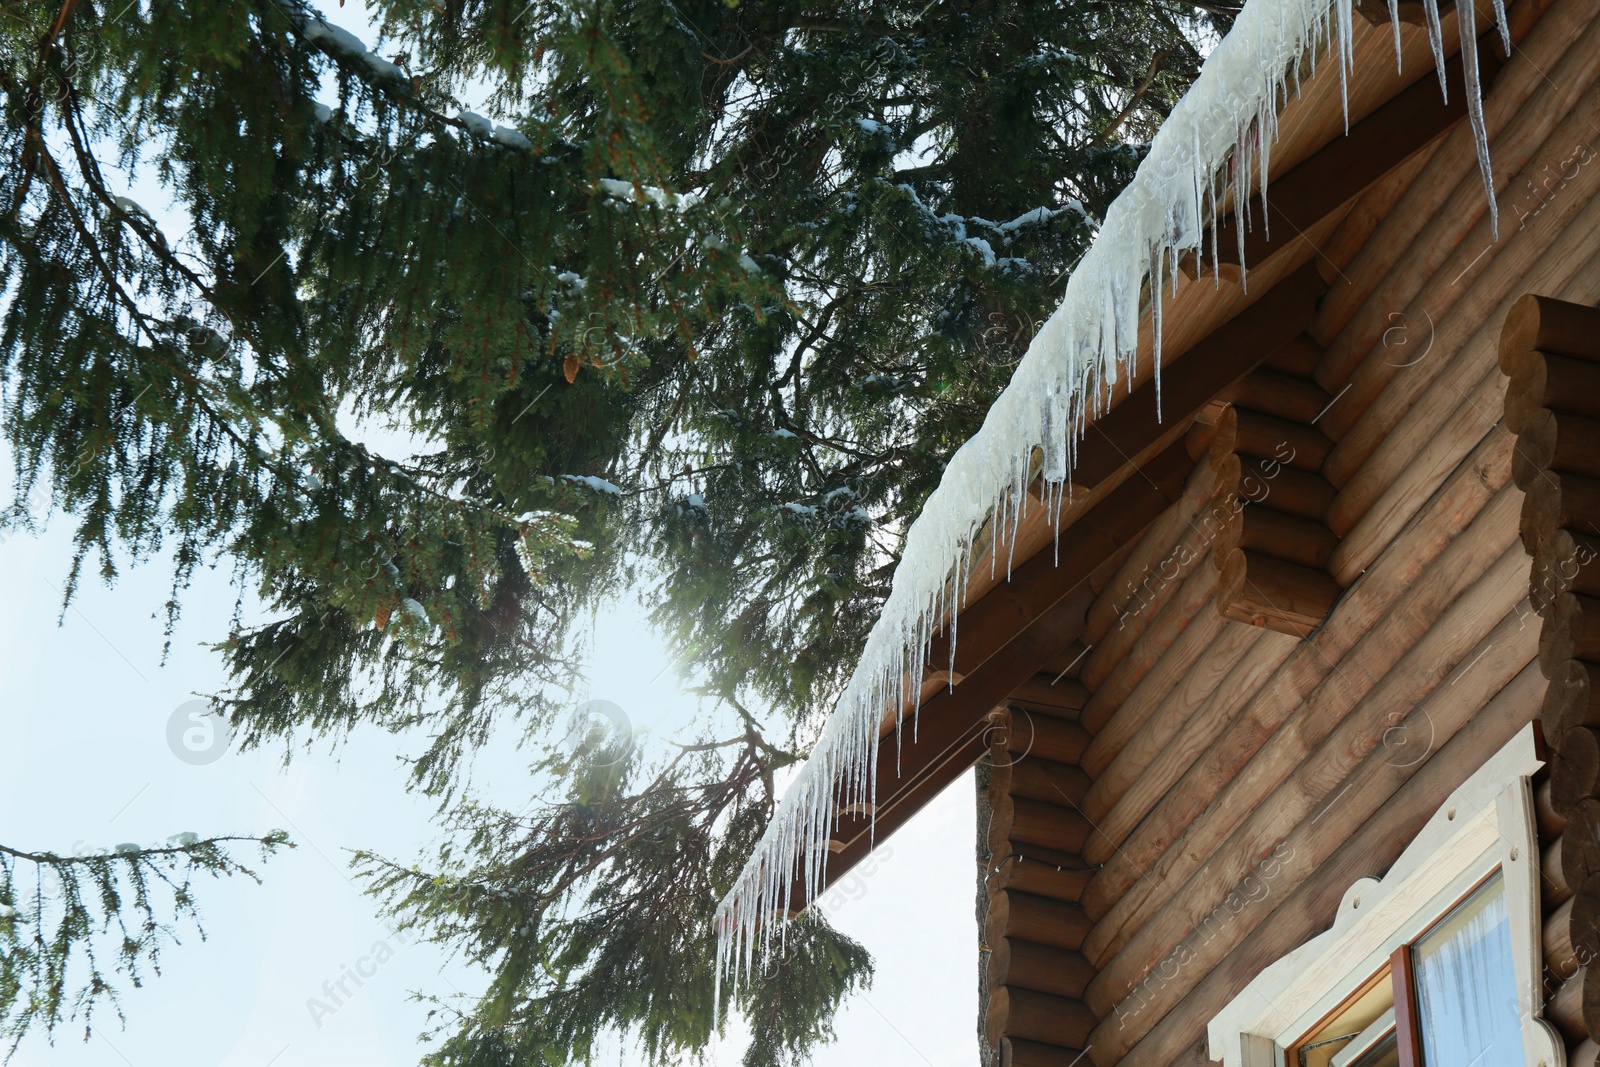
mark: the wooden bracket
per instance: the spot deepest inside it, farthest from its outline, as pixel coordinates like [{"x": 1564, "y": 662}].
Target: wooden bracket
[{"x": 1272, "y": 544}]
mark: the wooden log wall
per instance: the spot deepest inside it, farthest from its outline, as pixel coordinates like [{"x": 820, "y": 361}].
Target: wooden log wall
[
  {"x": 1034, "y": 925},
  {"x": 1043, "y": 796},
  {"x": 1432, "y": 580},
  {"x": 1550, "y": 353}
]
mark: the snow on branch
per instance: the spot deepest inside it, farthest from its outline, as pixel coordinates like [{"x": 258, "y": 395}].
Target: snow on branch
[{"x": 1229, "y": 117}]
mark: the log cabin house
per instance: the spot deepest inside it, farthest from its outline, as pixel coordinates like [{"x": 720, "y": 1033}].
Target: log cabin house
[{"x": 1284, "y": 690}]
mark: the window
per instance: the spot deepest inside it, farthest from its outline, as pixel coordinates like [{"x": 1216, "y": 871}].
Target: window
[
  {"x": 1464, "y": 986},
  {"x": 1450, "y": 995},
  {"x": 1436, "y": 965}
]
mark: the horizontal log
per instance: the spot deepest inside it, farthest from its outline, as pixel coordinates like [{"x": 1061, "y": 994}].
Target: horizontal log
[
  {"x": 1041, "y": 968},
  {"x": 1566, "y": 560},
  {"x": 1267, "y": 481},
  {"x": 1439, "y": 209},
  {"x": 1442, "y": 271},
  {"x": 1543, "y": 380},
  {"x": 1175, "y": 595},
  {"x": 1299, "y": 357},
  {"x": 1558, "y": 441},
  {"x": 1467, "y": 442},
  {"x": 1040, "y": 779},
  {"x": 1046, "y": 737},
  {"x": 1041, "y": 871},
  {"x": 1160, "y": 780},
  {"x": 1167, "y": 708},
  {"x": 1575, "y": 768},
  {"x": 1571, "y": 629},
  {"x": 1157, "y": 543},
  {"x": 1559, "y": 955},
  {"x": 1163, "y": 682},
  {"x": 1553, "y": 888},
  {"x": 1032, "y": 1016},
  {"x": 1272, "y": 392},
  {"x": 1550, "y": 325},
  {"x": 1411, "y": 12},
  {"x": 1565, "y": 1008},
  {"x": 1470, "y": 651},
  {"x": 1057, "y": 923},
  {"x": 1429, "y": 417},
  {"x": 1571, "y": 699},
  {"x": 1558, "y": 501},
  {"x": 1051, "y": 694},
  {"x": 1580, "y": 862},
  {"x": 1551, "y": 823},
  {"x": 1015, "y": 1052},
  {"x": 1252, "y": 433},
  {"x": 1259, "y": 528},
  {"x": 1408, "y": 420},
  {"x": 1107, "y": 569},
  {"x": 1282, "y": 596},
  {"x": 1365, "y": 214},
  {"x": 1301, "y": 912},
  {"x": 1032, "y": 822}
]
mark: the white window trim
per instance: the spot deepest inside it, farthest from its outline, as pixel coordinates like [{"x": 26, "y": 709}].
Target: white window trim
[{"x": 1485, "y": 825}]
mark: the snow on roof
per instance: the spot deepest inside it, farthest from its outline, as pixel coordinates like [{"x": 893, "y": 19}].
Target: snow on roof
[{"x": 1090, "y": 340}]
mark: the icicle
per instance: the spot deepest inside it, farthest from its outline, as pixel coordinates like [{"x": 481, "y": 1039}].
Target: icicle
[
  {"x": 1430, "y": 8},
  {"x": 1394, "y": 21},
  {"x": 1468, "y": 25},
  {"x": 1504, "y": 24}
]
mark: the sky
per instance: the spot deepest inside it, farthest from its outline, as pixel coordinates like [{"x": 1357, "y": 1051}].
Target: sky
[{"x": 85, "y": 712}]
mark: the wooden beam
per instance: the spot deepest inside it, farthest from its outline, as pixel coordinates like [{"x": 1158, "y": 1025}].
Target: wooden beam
[
  {"x": 1049, "y": 694},
  {"x": 1042, "y": 968},
  {"x": 1029, "y": 1016}
]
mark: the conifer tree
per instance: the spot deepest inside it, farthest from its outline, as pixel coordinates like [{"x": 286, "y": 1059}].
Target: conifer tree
[
  {"x": 72, "y": 927},
  {"x": 702, "y": 310}
]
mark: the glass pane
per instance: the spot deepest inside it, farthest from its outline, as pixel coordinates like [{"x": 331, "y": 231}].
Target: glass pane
[
  {"x": 1355, "y": 1024},
  {"x": 1386, "y": 1053},
  {"x": 1466, "y": 987}
]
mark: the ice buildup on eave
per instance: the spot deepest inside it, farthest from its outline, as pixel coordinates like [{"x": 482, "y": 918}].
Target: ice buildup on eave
[{"x": 1091, "y": 339}]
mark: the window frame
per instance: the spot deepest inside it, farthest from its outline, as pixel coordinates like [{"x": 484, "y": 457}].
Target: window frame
[{"x": 1486, "y": 825}]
